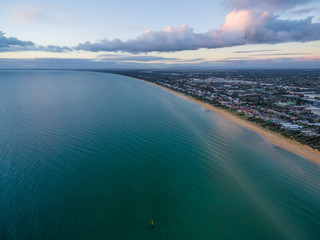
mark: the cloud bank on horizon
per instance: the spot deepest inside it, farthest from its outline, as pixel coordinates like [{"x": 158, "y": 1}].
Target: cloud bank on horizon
[{"x": 248, "y": 22}]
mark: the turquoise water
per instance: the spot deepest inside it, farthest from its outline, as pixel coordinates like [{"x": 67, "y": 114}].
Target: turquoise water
[{"x": 96, "y": 156}]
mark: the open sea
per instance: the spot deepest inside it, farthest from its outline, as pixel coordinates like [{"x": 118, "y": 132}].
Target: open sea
[{"x": 86, "y": 155}]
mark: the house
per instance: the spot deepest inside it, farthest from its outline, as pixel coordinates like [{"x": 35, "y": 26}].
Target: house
[
  {"x": 298, "y": 108},
  {"x": 314, "y": 110},
  {"x": 290, "y": 126},
  {"x": 309, "y": 132}
]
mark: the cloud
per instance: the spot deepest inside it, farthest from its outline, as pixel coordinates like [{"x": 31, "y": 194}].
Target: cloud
[
  {"x": 31, "y": 12},
  {"x": 106, "y": 57},
  {"x": 255, "y": 51},
  {"x": 302, "y": 11},
  {"x": 311, "y": 62},
  {"x": 167, "y": 40},
  {"x": 52, "y": 48},
  {"x": 7, "y": 43},
  {"x": 270, "y": 63},
  {"x": 142, "y": 59},
  {"x": 27, "y": 14},
  {"x": 281, "y": 54},
  {"x": 266, "y": 5},
  {"x": 241, "y": 27},
  {"x": 12, "y": 44},
  {"x": 248, "y": 22},
  {"x": 72, "y": 63}
]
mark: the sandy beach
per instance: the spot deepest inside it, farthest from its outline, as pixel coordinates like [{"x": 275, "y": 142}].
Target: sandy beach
[{"x": 274, "y": 138}]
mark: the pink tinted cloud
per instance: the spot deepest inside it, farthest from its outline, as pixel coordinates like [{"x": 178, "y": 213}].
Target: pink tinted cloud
[
  {"x": 237, "y": 20},
  {"x": 241, "y": 27},
  {"x": 311, "y": 58},
  {"x": 27, "y": 11},
  {"x": 249, "y": 22}
]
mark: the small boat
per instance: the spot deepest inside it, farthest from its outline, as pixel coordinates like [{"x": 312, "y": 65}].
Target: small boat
[{"x": 152, "y": 226}]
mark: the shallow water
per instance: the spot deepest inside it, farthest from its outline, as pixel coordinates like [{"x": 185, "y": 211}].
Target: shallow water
[{"x": 88, "y": 155}]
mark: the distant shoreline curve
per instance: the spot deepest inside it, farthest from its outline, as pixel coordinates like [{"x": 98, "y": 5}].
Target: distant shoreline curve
[{"x": 274, "y": 138}]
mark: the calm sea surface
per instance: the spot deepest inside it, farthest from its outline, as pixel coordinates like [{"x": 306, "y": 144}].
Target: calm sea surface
[{"x": 97, "y": 156}]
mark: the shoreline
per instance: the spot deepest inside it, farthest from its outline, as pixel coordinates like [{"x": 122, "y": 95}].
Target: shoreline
[{"x": 274, "y": 138}]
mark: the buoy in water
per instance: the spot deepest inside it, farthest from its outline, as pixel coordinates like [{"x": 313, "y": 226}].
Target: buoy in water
[{"x": 152, "y": 226}]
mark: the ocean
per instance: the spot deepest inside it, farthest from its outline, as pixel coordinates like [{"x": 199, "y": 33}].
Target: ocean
[{"x": 87, "y": 155}]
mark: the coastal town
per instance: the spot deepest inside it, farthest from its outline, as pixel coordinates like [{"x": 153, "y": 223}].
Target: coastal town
[{"x": 283, "y": 101}]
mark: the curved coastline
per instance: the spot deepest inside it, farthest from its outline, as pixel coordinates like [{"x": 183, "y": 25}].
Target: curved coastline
[{"x": 274, "y": 138}]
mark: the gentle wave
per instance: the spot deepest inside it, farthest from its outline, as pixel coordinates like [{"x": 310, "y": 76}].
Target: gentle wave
[{"x": 96, "y": 156}]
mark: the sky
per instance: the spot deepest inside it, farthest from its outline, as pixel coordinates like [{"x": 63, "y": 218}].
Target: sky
[{"x": 113, "y": 34}]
